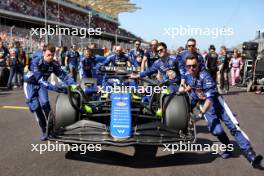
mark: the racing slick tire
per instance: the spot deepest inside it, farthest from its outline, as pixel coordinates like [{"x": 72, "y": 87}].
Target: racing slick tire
[
  {"x": 4, "y": 76},
  {"x": 176, "y": 113},
  {"x": 65, "y": 114}
]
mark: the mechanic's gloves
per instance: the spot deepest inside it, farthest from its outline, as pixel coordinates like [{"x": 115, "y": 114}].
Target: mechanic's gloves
[
  {"x": 61, "y": 88},
  {"x": 73, "y": 87},
  {"x": 57, "y": 88},
  {"x": 70, "y": 81},
  {"x": 166, "y": 91},
  {"x": 46, "y": 84}
]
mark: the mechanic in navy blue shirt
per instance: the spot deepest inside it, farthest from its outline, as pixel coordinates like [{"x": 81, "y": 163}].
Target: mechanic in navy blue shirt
[
  {"x": 36, "y": 85},
  {"x": 87, "y": 63},
  {"x": 191, "y": 50},
  {"x": 136, "y": 54},
  {"x": 167, "y": 65},
  {"x": 72, "y": 61},
  {"x": 116, "y": 58},
  {"x": 202, "y": 89},
  {"x": 150, "y": 55}
]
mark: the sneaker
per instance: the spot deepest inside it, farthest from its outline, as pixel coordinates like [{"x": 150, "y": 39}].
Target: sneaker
[
  {"x": 220, "y": 91},
  {"x": 226, "y": 154},
  {"x": 257, "y": 161},
  {"x": 44, "y": 137},
  {"x": 254, "y": 159}
]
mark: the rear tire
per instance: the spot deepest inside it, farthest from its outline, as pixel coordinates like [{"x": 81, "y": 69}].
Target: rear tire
[
  {"x": 4, "y": 76},
  {"x": 176, "y": 113},
  {"x": 65, "y": 114}
]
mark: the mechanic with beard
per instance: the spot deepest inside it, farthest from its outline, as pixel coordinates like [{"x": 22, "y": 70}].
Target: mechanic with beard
[
  {"x": 211, "y": 61},
  {"x": 72, "y": 60},
  {"x": 150, "y": 55},
  {"x": 201, "y": 88},
  {"x": 136, "y": 54},
  {"x": 36, "y": 85},
  {"x": 167, "y": 65}
]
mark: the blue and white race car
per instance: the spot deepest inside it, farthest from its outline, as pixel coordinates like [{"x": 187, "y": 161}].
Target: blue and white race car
[{"x": 121, "y": 117}]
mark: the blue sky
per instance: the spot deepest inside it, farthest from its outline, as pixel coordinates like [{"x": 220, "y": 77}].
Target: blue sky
[{"x": 244, "y": 17}]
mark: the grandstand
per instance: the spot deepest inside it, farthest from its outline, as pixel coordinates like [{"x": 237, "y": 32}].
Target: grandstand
[
  {"x": 18, "y": 17},
  {"x": 260, "y": 39}
]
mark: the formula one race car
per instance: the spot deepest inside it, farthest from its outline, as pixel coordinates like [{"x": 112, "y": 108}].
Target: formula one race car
[{"x": 121, "y": 117}]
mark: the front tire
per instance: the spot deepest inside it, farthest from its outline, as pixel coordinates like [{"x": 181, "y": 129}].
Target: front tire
[
  {"x": 65, "y": 114},
  {"x": 176, "y": 113}
]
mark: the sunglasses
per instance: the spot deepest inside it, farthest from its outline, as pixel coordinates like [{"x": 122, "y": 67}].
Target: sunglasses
[
  {"x": 191, "y": 46},
  {"x": 192, "y": 66},
  {"x": 137, "y": 44},
  {"x": 161, "y": 50}
]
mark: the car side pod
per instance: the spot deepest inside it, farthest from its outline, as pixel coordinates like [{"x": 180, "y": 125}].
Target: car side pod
[{"x": 121, "y": 117}]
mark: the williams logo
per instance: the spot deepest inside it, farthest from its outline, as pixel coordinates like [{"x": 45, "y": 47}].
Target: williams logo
[
  {"x": 120, "y": 131},
  {"x": 121, "y": 104}
]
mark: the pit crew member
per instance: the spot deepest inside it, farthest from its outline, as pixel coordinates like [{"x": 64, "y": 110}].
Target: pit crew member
[
  {"x": 36, "y": 85},
  {"x": 202, "y": 89}
]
